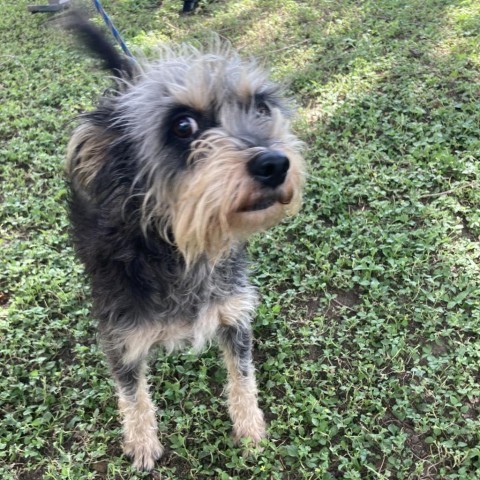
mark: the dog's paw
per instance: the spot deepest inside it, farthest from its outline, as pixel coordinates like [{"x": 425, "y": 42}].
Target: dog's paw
[
  {"x": 250, "y": 439},
  {"x": 144, "y": 453},
  {"x": 252, "y": 430}
]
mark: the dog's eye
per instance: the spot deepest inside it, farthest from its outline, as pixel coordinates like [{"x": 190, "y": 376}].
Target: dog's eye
[
  {"x": 184, "y": 127},
  {"x": 262, "y": 109}
]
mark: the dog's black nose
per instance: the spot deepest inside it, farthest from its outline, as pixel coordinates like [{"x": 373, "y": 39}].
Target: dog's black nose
[{"x": 269, "y": 168}]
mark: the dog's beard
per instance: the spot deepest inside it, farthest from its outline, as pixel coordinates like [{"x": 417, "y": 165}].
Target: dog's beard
[{"x": 217, "y": 203}]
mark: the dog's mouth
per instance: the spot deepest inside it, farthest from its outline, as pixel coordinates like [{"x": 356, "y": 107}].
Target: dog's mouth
[
  {"x": 265, "y": 202},
  {"x": 261, "y": 204}
]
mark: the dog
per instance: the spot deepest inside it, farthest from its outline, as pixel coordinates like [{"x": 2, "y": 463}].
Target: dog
[{"x": 183, "y": 160}]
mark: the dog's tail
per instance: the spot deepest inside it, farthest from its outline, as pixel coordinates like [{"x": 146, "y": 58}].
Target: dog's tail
[{"x": 98, "y": 44}]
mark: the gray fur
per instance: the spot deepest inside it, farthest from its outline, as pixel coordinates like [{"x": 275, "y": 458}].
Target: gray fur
[{"x": 166, "y": 261}]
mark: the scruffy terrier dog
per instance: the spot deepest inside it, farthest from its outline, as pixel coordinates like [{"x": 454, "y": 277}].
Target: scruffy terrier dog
[{"x": 178, "y": 165}]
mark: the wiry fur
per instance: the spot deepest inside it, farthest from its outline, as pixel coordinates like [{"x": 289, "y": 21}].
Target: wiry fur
[{"x": 160, "y": 221}]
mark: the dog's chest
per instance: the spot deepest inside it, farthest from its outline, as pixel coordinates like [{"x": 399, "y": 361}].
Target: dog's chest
[
  {"x": 185, "y": 310},
  {"x": 189, "y": 334},
  {"x": 178, "y": 334},
  {"x": 186, "y": 295}
]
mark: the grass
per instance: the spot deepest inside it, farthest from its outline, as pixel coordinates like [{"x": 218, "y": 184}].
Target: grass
[{"x": 367, "y": 339}]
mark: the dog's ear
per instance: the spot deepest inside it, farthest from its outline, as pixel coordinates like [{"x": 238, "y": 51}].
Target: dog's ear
[{"x": 98, "y": 44}]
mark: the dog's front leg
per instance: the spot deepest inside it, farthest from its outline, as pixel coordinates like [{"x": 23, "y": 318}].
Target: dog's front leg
[
  {"x": 140, "y": 440},
  {"x": 236, "y": 343}
]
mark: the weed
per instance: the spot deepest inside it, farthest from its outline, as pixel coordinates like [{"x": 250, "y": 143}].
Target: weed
[{"x": 367, "y": 336}]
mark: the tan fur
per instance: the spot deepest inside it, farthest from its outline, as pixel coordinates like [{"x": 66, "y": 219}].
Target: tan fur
[
  {"x": 249, "y": 82},
  {"x": 238, "y": 309},
  {"x": 198, "y": 90},
  {"x": 247, "y": 418},
  {"x": 138, "y": 413},
  {"x": 141, "y": 340},
  {"x": 208, "y": 214},
  {"x": 204, "y": 78},
  {"x": 140, "y": 427},
  {"x": 205, "y": 208},
  {"x": 200, "y": 223},
  {"x": 244, "y": 224},
  {"x": 171, "y": 336},
  {"x": 83, "y": 164}
]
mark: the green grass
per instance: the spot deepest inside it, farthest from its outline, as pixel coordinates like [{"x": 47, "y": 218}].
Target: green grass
[{"x": 367, "y": 338}]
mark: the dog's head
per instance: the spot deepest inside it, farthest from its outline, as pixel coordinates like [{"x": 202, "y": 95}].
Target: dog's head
[{"x": 212, "y": 152}]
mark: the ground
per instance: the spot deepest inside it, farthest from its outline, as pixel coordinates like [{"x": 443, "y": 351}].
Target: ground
[{"x": 367, "y": 337}]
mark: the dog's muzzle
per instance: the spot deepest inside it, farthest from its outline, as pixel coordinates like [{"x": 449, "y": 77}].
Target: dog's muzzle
[{"x": 269, "y": 168}]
